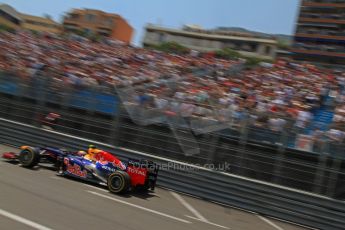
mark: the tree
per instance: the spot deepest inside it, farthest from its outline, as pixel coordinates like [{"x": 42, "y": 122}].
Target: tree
[
  {"x": 82, "y": 33},
  {"x": 283, "y": 45},
  {"x": 227, "y": 53},
  {"x": 6, "y": 28},
  {"x": 253, "y": 61},
  {"x": 230, "y": 54},
  {"x": 172, "y": 47}
]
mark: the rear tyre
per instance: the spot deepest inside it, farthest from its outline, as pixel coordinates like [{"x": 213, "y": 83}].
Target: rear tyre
[
  {"x": 118, "y": 182},
  {"x": 29, "y": 157}
]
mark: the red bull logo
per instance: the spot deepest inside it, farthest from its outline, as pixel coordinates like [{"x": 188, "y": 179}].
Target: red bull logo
[{"x": 74, "y": 169}]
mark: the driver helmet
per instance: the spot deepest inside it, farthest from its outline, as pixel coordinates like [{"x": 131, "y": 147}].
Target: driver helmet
[
  {"x": 92, "y": 147},
  {"x": 92, "y": 150},
  {"x": 81, "y": 153}
]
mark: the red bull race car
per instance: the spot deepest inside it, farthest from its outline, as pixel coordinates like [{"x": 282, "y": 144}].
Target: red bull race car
[{"x": 102, "y": 168}]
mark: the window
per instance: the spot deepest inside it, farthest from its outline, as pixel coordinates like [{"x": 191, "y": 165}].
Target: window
[
  {"x": 74, "y": 16},
  {"x": 268, "y": 50},
  {"x": 161, "y": 37},
  {"x": 109, "y": 22},
  {"x": 231, "y": 45},
  {"x": 254, "y": 47},
  {"x": 90, "y": 17}
]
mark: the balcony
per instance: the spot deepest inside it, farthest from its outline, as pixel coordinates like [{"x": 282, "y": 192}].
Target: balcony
[
  {"x": 324, "y": 3},
  {"x": 70, "y": 21},
  {"x": 100, "y": 23},
  {"x": 104, "y": 30},
  {"x": 318, "y": 52},
  {"x": 70, "y": 26},
  {"x": 323, "y": 20},
  {"x": 317, "y": 49},
  {"x": 341, "y": 38},
  {"x": 104, "y": 26},
  {"x": 317, "y": 33},
  {"x": 334, "y": 16}
]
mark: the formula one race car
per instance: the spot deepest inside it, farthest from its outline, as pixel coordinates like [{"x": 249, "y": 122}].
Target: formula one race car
[{"x": 104, "y": 168}]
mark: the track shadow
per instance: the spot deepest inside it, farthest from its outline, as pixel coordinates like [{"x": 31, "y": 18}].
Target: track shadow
[
  {"x": 136, "y": 192},
  {"x": 35, "y": 168},
  {"x": 139, "y": 193},
  {"x": 15, "y": 162}
]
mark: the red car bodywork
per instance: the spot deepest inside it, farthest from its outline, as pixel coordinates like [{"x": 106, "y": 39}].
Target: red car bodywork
[{"x": 138, "y": 174}]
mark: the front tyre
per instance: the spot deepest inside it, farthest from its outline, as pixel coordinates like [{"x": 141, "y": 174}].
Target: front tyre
[
  {"x": 118, "y": 182},
  {"x": 29, "y": 157}
]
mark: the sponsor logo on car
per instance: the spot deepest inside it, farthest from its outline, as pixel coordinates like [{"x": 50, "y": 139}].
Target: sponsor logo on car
[
  {"x": 108, "y": 168},
  {"x": 136, "y": 171},
  {"x": 75, "y": 169}
]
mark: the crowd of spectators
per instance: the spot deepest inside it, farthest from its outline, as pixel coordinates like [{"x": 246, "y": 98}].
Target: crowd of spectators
[
  {"x": 80, "y": 62},
  {"x": 271, "y": 96}
]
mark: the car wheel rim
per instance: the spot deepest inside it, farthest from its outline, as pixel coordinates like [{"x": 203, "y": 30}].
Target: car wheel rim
[
  {"x": 25, "y": 156},
  {"x": 116, "y": 182}
]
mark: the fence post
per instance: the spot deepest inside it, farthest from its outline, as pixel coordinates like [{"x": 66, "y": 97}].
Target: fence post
[
  {"x": 242, "y": 143},
  {"x": 334, "y": 173},
  {"x": 212, "y": 148},
  {"x": 321, "y": 170},
  {"x": 281, "y": 156},
  {"x": 41, "y": 89},
  {"x": 115, "y": 126}
]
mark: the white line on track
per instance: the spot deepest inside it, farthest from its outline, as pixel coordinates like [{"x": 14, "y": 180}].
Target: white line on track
[
  {"x": 23, "y": 220},
  {"x": 240, "y": 209},
  {"x": 94, "y": 187},
  {"x": 207, "y": 222},
  {"x": 270, "y": 222},
  {"x": 189, "y": 207},
  {"x": 141, "y": 207}
]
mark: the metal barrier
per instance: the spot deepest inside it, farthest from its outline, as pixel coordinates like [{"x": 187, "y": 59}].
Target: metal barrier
[
  {"x": 250, "y": 153},
  {"x": 43, "y": 88},
  {"x": 264, "y": 198}
]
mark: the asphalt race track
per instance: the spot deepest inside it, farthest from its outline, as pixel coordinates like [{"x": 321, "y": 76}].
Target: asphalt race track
[{"x": 38, "y": 199}]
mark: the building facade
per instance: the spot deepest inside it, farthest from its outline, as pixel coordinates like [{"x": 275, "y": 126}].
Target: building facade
[
  {"x": 320, "y": 32},
  {"x": 89, "y": 21},
  {"x": 13, "y": 19},
  {"x": 211, "y": 40},
  {"x": 39, "y": 24},
  {"x": 9, "y": 17}
]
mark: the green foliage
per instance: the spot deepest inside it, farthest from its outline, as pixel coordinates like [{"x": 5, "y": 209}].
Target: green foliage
[
  {"x": 227, "y": 53},
  {"x": 95, "y": 37},
  {"x": 253, "y": 61},
  {"x": 5, "y": 28},
  {"x": 172, "y": 47},
  {"x": 81, "y": 33},
  {"x": 283, "y": 45},
  {"x": 34, "y": 32},
  {"x": 230, "y": 54}
]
